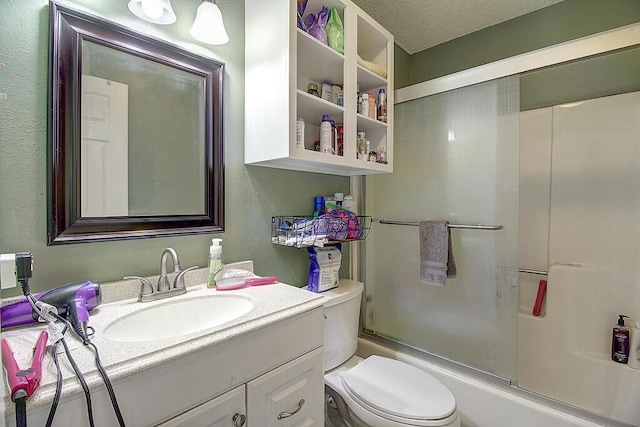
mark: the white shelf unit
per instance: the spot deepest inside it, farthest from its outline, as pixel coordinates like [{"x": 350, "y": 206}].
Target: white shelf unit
[{"x": 280, "y": 62}]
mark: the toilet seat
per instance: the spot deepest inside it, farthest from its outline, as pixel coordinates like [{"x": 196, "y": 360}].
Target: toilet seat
[{"x": 399, "y": 392}]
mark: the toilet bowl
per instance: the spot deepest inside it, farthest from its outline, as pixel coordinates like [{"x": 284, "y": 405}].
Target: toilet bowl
[{"x": 375, "y": 391}]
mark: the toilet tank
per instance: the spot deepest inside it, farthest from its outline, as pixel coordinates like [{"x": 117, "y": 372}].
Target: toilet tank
[{"x": 342, "y": 313}]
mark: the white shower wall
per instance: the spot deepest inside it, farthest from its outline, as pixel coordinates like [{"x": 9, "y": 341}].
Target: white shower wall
[{"x": 580, "y": 220}]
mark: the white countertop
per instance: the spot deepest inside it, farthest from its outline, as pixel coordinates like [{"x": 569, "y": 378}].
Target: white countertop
[{"x": 272, "y": 303}]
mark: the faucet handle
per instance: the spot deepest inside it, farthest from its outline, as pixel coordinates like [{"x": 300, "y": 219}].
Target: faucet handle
[
  {"x": 143, "y": 282},
  {"x": 179, "y": 280}
]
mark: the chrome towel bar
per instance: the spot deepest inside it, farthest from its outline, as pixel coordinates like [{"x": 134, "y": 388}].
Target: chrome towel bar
[
  {"x": 465, "y": 226},
  {"x": 530, "y": 271}
]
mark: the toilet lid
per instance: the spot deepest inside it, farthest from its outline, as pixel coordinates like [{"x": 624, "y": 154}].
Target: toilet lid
[{"x": 394, "y": 389}]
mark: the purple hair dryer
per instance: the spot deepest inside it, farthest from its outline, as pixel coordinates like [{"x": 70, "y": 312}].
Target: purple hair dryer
[{"x": 73, "y": 301}]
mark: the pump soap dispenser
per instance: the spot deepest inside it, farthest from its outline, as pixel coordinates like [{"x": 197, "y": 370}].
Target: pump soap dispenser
[
  {"x": 620, "y": 341},
  {"x": 215, "y": 261}
]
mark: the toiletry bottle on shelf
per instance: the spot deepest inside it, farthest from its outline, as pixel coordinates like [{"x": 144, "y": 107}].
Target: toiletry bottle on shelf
[
  {"x": 334, "y": 137},
  {"x": 313, "y": 90},
  {"x": 372, "y": 106},
  {"x": 215, "y": 261},
  {"x": 634, "y": 349},
  {"x": 361, "y": 146},
  {"x": 318, "y": 206},
  {"x": 382, "y": 106},
  {"x": 364, "y": 104},
  {"x": 620, "y": 341},
  {"x": 349, "y": 204},
  {"x": 340, "y": 148},
  {"x": 326, "y": 135},
  {"x": 300, "y": 133}
]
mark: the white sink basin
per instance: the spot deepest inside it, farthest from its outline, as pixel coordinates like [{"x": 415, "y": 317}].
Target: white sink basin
[{"x": 175, "y": 318}]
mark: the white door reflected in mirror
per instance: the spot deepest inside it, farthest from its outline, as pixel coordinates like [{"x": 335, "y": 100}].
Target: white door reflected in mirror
[{"x": 104, "y": 148}]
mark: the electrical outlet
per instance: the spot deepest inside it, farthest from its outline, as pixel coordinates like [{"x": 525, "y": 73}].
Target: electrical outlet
[{"x": 8, "y": 271}]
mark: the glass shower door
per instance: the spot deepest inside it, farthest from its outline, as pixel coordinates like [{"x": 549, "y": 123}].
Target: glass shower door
[{"x": 457, "y": 157}]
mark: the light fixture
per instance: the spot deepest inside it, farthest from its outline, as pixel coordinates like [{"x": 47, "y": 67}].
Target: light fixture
[
  {"x": 156, "y": 11},
  {"x": 208, "y": 26}
]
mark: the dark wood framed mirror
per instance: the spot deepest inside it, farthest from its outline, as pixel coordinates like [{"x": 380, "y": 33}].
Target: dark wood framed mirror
[{"x": 135, "y": 144}]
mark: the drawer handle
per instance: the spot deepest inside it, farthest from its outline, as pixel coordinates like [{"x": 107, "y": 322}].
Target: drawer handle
[
  {"x": 239, "y": 420},
  {"x": 283, "y": 415}
]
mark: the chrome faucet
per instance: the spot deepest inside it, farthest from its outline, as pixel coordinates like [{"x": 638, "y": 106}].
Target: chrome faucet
[
  {"x": 163, "y": 280},
  {"x": 163, "y": 288}
]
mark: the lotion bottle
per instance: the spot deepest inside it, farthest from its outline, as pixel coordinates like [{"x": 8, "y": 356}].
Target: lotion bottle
[
  {"x": 634, "y": 350},
  {"x": 215, "y": 261},
  {"x": 326, "y": 134},
  {"x": 620, "y": 341}
]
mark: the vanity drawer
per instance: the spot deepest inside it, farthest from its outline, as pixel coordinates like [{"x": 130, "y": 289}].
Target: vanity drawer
[
  {"x": 290, "y": 395},
  {"x": 222, "y": 411}
]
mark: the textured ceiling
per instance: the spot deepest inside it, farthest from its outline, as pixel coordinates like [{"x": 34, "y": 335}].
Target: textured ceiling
[{"x": 421, "y": 24}]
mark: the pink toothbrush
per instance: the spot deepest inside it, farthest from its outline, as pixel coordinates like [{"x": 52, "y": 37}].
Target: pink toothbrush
[{"x": 229, "y": 284}]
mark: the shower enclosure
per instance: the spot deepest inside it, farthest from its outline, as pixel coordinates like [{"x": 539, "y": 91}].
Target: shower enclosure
[
  {"x": 537, "y": 167},
  {"x": 459, "y": 157}
]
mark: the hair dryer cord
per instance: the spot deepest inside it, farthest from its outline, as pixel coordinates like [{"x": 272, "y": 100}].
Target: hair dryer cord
[{"x": 76, "y": 369}]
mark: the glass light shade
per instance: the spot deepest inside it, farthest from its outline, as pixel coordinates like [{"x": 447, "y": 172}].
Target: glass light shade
[
  {"x": 156, "y": 11},
  {"x": 208, "y": 26}
]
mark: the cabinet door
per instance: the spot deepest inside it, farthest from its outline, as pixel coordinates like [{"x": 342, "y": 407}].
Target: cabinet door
[
  {"x": 223, "y": 411},
  {"x": 291, "y": 395}
]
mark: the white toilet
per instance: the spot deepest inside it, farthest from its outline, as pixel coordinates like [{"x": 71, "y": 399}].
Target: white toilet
[{"x": 376, "y": 391}]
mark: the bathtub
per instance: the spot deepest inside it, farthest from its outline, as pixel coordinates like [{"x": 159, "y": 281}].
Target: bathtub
[{"x": 484, "y": 402}]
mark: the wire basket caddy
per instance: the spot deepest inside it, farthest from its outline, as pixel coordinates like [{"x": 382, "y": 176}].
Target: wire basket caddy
[{"x": 304, "y": 231}]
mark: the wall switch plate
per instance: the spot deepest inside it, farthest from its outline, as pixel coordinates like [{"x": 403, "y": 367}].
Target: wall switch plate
[{"x": 8, "y": 271}]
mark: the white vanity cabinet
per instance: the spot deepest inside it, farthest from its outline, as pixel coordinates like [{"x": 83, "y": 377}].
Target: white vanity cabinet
[
  {"x": 248, "y": 379},
  {"x": 289, "y": 395},
  {"x": 281, "y": 61}
]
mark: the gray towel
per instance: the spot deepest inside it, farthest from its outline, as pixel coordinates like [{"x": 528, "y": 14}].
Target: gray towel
[{"x": 436, "y": 254}]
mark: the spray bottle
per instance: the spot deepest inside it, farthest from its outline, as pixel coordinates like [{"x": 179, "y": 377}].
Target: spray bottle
[{"x": 215, "y": 261}]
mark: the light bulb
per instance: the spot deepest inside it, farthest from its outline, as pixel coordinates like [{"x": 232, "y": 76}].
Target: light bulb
[
  {"x": 156, "y": 11},
  {"x": 152, "y": 8}
]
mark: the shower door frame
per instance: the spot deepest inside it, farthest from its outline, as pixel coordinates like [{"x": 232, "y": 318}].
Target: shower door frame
[{"x": 624, "y": 37}]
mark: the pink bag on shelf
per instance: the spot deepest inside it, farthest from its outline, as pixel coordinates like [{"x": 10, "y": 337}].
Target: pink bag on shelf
[{"x": 354, "y": 231}]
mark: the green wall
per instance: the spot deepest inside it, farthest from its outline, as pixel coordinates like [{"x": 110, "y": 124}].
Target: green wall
[
  {"x": 402, "y": 63},
  {"x": 604, "y": 75},
  {"x": 253, "y": 194},
  {"x": 567, "y": 20}
]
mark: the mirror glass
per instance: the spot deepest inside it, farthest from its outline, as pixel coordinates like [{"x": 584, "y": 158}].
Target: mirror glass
[
  {"x": 135, "y": 144},
  {"x": 147, "y": 134}
]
